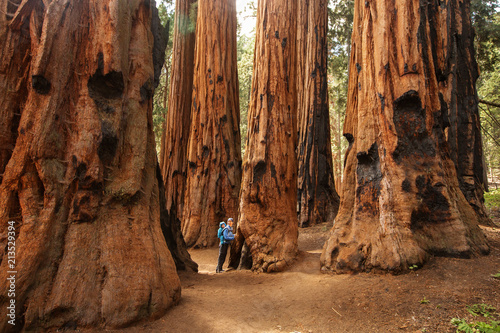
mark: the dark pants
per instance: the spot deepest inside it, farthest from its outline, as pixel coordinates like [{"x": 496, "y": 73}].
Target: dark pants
[{"x": 222, "y": 256}]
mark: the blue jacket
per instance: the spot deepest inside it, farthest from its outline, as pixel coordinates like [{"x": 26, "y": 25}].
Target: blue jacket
[
  {"x": 225, "y": 234},
  {"x": 220, "y": 232}
]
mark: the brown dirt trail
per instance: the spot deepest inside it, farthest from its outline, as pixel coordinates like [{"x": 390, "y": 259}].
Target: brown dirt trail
[{"x": 304, "y": 300}]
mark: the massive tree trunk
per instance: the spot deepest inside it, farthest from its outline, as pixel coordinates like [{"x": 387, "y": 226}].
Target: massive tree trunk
[
  {"x": 268, "y": 213},
  {"x": 318, "y": 200},
  {"x": 174, "y": 142},
  {"x": 457, "y": 86},
  {"x": 80, "y": 184},
  {"x": 214, "y": 150},
  {"x": 401, "y": 199}
]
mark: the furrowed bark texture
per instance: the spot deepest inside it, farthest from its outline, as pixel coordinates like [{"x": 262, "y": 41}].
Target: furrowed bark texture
[
  {"x": 173, "y": 155},
  {"x": 81, "y": 183},
  {"x": 458, "y": 72},
  {"x": 318, "y": 200},
  {"x": 302, "y": 25},
  {"x": 401, "y": 199},
  {"x": 172, "y": 232},
  {"x": 214, "y": 149},
  {"x": 15, "y": 48},
  {"x": 268, "y": 204}
]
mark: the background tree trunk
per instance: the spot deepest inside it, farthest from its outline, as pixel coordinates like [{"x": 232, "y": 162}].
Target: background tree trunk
[
  {"x": 302, "y": 30},
  {"x": 457, "y": 85},
  {"x": 268, "y": 205},
  {"x": 81, "y": 184},
  {"x": 174, "y": 142},
  {"x": 172, "y": 232},
  {"x": 214, "y": 150},
  {"x": 15, "y": 43},
  {"x": 317, "y": 198},
  {"x": 401, "y": 200}
]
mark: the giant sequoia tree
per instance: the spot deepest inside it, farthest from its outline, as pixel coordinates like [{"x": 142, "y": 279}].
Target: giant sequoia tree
[
  {"x": 459, "y": 96},
  {"x": 214, "y": 149},
  {"x": 318, "y": 200},
  {"x": 79, "y": 176},
  {"x": 268, "y": 216},
  {"x": 174, "y": 142},
  {"x": 401, "y": 199}
]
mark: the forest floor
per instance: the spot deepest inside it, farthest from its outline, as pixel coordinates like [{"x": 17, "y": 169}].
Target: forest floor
[{"x": 304, "y": 300}]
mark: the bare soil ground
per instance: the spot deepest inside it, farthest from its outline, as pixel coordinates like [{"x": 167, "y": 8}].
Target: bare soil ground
[{"x": 304, "y": 300}]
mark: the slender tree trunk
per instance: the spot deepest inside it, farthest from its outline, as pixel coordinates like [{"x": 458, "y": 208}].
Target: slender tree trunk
[
  {"x": 80, "y": 184},
  {"x": 458, "y": 94},
  {"x": 491, "y": 174},
  {"x": 340, "y": 166},
  {"x": 214, "y": 150},
  {"x": 174, "y": 142},
  {"x": 165, "y": 96},
  {"x": 302, "y": 44},
  {"x": 268, "y": 214},
  {"x": 401, "y": 199},
  {"x": 317, "y": 198}
]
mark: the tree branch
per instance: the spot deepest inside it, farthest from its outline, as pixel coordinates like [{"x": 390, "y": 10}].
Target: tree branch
[
  {"x": 488, "y": 113},
  {"x": 491, "y": 136},
  {"x": 489, "y": 103}
]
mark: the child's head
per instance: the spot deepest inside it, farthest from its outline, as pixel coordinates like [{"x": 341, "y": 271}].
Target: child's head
[{"x": 222, "y": 225}]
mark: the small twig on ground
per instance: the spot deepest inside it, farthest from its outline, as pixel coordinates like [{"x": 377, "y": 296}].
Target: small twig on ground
[{"x": 336, "y": 311}]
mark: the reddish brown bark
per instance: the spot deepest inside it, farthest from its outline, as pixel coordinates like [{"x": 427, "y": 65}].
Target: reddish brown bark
[
  {"x": 318, "y": 200},
  {"x": 171, "y": 228},
  {"x": 457, "y": 85},
  {"x": 174, "y": 142},
  {"x": 401, "y": 199},
  {"x": 302, "y": 31},
  {"x": 268, "y": 214},
  {"x": 80, "y": 183},
  {"x": 14, "y": 70},
  {"x": 214, "y": 150}
]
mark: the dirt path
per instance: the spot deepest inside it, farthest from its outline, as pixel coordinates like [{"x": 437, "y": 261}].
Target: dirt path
[{"x": 304, "y": 300}]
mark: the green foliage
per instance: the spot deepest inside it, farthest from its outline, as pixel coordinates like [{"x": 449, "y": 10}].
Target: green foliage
[
  {"x": 481, "y": 309},
  {"x": 488, "y": 88},
  {"x": 340, "y": 18},
  {"x": 486, "y": 24},
  {"x": 341, "y": 15},
  {"x": 424, "y": 300},
  {"x": 413, "y": 267},
  {"x": 245, "y": 47},
  {"x": 492, "y": 199},
  {"x": 476, "y": 327},
  {"x": 496, "y": 275},
  {"x": 493, "y": 326},
  {"x": 160, "y": 98},
  {"x": 193, "y": 16},
  {"x": 166, "y": 11},
  {"x": 462, "y": 325},
  {"x": 486, "y": 21}
]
